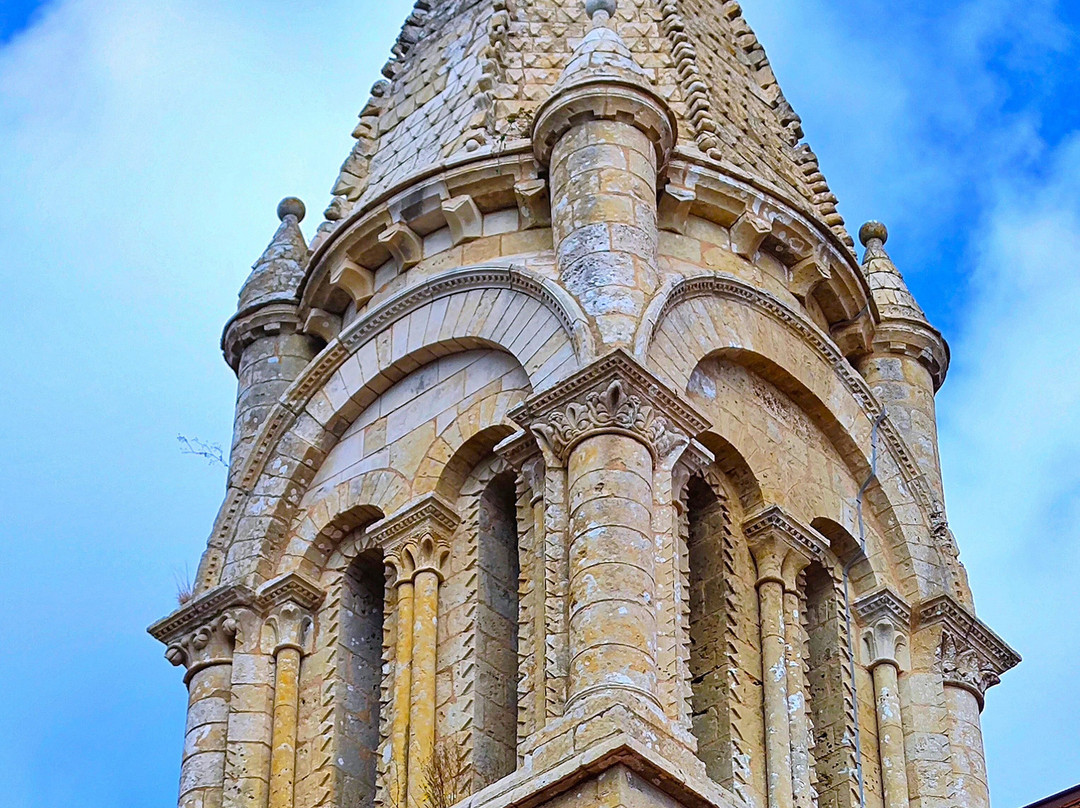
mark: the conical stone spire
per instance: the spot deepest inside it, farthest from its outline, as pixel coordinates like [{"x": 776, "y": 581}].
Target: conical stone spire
[
  {"x": 277, "y": 275},
  {"x": 602, "y": 55},
  {"x": 468, "y": 75},
  {"x": 891, "y": 294}
]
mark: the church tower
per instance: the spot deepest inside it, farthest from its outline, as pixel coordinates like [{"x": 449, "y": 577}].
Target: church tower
[{"x": 578, "y": 460}]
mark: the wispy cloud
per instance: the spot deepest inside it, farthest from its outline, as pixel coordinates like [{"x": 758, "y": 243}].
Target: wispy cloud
[
  {"x": 952, "y": 123},
  {"x": 144, "y": 147}
]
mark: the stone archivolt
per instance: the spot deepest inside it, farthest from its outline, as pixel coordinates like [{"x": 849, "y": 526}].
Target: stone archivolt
[{"x": 584, "y": 322}]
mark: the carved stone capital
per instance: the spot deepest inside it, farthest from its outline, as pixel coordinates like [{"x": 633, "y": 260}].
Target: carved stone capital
[
  {"x": 290, "y": 602},
  {"x": 970, "y": 655},
  {"x": 887, "y": 618},
  {"x": 782, "y": 546},
  {"x": 417, "y": 538},
  {"x": 204, "y": 631},
  {"x": 613, "y": 395},
  {"x": 523, "y": 453},
  {"x": 289, "y": 625},
  {"x": 534, "y": 203}
]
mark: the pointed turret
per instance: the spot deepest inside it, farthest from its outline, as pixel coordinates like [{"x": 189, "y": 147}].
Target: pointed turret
[
  {"x": 908, "y": 359},
  {"x": 263, "y": 342},
  {"x": 891, "y": 294},
  {"x": 276, "y": 276},
  {"x": 603, "y": 135}
]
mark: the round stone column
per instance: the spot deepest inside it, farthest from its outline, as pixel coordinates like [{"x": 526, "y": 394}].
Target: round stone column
[
  {"x": 291, "y": 626},
  {"x": 399, "y": 741},
  {"x": 605, "y": 134},
  {"x": 969, "y": 783},
  {"x": 890, "y": 734},
  {"x": 612, "y": 567},
  {"x": 207, "y": 654}
]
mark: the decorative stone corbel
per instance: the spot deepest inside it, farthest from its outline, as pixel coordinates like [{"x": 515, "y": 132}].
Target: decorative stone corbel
[
  {"x": 323, "y": 324},
  {"x": 675, "y": 204},
  {"x": 464, "y": 219},
  {"x": 809, "y": 273},
  {"x": 356, "y": 281},
  {"x": 404, "y": 244},
  {"x": 534, "y": 203},
  {"x": 854, "y": 337},
  {"x": 750, "y": 230}
]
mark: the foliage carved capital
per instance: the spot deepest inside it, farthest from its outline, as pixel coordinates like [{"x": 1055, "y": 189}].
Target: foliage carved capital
[
  {"x": 417, "y": 538},
  {"x": 970, "y": 655},
  {"x": 613, "y": 395}
]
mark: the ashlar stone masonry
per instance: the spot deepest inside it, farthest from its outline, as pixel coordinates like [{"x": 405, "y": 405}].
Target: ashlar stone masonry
[{"x": 578, "y": 460}]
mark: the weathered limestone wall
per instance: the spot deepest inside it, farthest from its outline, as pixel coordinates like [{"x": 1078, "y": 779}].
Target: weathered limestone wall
[{"x": 614, "y": 481}]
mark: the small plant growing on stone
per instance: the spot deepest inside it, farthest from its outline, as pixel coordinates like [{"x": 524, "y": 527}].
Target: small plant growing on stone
[
  {"x": 446, "y": 779},
  {"x": 185, "y": 590}
]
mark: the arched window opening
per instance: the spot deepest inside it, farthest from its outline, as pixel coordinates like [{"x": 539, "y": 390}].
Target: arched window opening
[
  {"x": 361, "y": 665},
  {"x": 495, "y": 752},
  {"x": 827, "y": 688},
  {"x": 708, "y": 526}
]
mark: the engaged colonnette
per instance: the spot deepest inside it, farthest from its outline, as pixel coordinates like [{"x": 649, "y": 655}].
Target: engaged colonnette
[{"x": 578, "y": 461}]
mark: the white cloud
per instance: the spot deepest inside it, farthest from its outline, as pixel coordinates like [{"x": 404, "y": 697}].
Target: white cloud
[{"x": 1010, "y": 440}]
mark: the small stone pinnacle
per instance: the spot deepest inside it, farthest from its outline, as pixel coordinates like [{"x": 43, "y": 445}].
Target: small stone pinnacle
[
  {"x": 873, "y": 230},
  {"x": 291, "y": 206},
  {"x": 595, "y": 7}
]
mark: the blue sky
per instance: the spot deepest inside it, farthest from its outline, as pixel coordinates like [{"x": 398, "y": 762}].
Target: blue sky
[{"x": 143, "y": 148}]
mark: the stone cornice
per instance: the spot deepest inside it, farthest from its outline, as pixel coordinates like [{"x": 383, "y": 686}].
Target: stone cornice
[
  {"x": 290, "y": 587},
  {"x": 264, "y": 319},
  {"x": 605, "y": 99},
  {"x": 918, "y": 340},
  {"x": 614, "y": 394},
  {"x": 774, "y": 522},
  {"x": 201, "y": 610},
  {"x": 883, "y": 604},
  {"x": 971, "y": 655}
]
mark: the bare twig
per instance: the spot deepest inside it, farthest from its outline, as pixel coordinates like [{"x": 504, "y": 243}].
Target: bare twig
[{"x": 211, "y": 452}]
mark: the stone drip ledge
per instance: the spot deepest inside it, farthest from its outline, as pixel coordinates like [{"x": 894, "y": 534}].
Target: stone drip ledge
[{"x": 528, "y": 788}]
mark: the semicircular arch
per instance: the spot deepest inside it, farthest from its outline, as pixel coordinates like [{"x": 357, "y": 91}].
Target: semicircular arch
[
  {"x": 716, "y": 316},
  {"x": 509, "y": 310}
]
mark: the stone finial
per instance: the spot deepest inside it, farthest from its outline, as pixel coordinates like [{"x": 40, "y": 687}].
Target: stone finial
[
  {"x": 277, "y": 275},
  {"x": 291, "y": 206},
  {"x": 600, "y": 11},
  {"x": 873, "y": 231}
]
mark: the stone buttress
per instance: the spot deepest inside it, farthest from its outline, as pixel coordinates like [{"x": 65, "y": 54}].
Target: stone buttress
[{"x": 578, "y": 460}]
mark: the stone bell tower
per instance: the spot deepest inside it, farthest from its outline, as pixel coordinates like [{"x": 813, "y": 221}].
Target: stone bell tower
[{"x": 578, "y": 459}]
